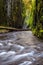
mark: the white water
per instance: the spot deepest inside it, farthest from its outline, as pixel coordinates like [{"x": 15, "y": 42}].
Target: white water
[{"x": 12, "y": 53}]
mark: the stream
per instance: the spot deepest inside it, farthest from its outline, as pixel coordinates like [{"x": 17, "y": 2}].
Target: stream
[{"x": 20, "y": 48}]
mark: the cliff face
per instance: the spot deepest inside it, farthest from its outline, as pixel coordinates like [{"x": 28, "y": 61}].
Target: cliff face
[
  {"x": 11, "y": 13},
  {"x": 8, "y": 7},
  {"x": 5, "y": 11}
]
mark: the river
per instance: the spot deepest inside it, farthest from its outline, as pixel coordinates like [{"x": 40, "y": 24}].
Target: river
[{"x": 20, "y": 48}]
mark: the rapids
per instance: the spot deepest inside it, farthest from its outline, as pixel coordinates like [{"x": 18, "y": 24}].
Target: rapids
[{"x": 20, "y": 48}]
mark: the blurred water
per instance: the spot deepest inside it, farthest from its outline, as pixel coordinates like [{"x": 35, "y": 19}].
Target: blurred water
[{"x": 14, "y": 52}]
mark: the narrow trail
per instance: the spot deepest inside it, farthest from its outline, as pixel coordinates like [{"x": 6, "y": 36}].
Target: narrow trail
[{"x": 20, "y": 48}]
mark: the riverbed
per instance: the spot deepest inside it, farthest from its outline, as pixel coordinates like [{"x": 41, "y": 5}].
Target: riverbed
[{"x": 20, "y": 48}]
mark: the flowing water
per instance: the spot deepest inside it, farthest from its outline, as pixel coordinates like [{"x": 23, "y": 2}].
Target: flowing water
[{"x": 20, "y": 48}]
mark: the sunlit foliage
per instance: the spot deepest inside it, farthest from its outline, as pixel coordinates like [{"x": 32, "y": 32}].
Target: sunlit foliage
[
  {"x": 38, "y": 19},
  {"x": 23, "y": 11}
]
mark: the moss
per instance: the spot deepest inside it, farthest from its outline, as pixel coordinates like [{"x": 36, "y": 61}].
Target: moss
[{"x": 3, "y": 31}]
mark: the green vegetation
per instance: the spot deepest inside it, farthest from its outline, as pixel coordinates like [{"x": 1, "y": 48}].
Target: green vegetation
[
  {"x": 23, "y": 11},
  {"x": 38, "y": 19},
  {"x": 34, "y": 19}
]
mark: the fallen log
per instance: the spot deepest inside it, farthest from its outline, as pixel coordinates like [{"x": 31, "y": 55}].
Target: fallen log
[{"x": 13, "y": 29}]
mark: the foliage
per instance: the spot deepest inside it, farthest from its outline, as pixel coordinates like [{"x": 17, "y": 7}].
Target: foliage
[
  {"x": 34, "y": 18},
  {"x": 28, "y": 7},
  {"x": 28, "y": 11},
  {"x": 38, "y": 19}
]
